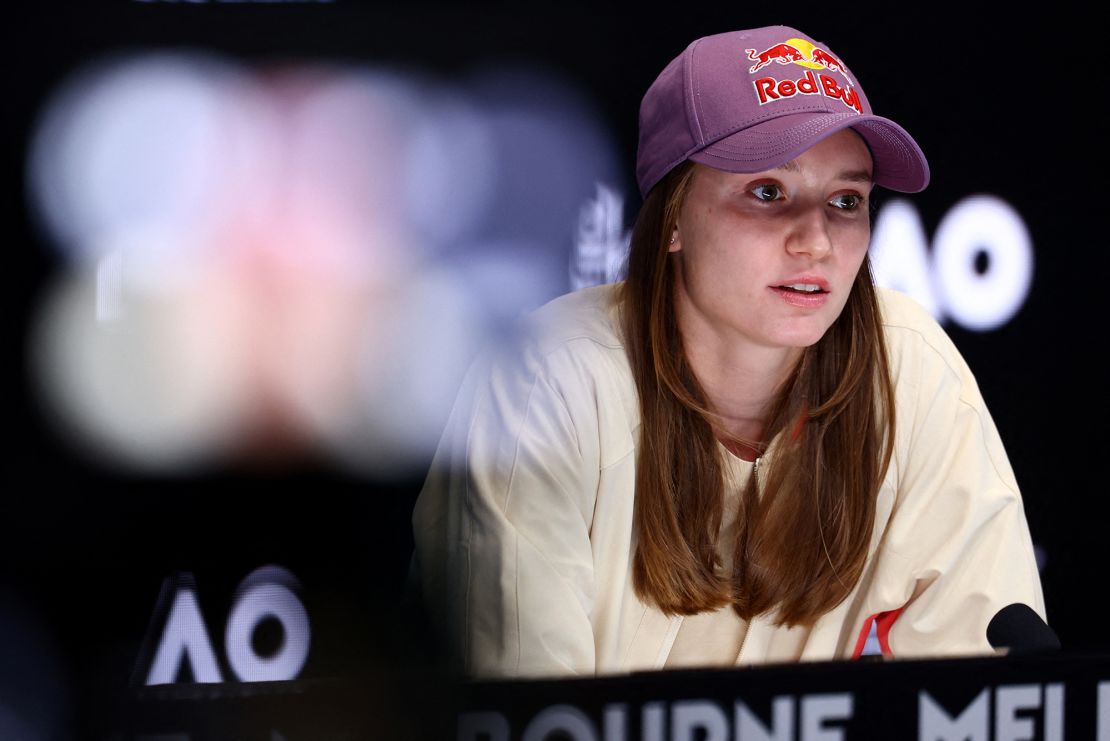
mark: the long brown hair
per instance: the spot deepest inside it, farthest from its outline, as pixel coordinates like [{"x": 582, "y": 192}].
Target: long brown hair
[{"x": 802, "y": 541}]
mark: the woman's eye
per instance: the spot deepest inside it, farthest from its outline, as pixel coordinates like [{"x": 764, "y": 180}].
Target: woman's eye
[
  {"x": 767, "y": 192},
  {"x": 847, "y": 201}
]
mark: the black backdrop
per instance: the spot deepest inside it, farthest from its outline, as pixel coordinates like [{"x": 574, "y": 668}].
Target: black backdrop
[{"x": 1001, "y": 102}]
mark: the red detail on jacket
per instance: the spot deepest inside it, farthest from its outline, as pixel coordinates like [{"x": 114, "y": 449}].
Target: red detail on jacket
[{"x": 884, "y": 621}]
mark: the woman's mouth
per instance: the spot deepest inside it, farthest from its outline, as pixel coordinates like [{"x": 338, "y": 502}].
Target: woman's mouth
[
  {"x": 802, "y": 288},
  {"x": 802, "y": 295}
]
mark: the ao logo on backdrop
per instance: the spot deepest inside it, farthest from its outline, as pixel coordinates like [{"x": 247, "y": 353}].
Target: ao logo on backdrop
[
  {"x": 266, "y": 595},
  {"x": 977, "y": 274},
  {"x": 981, "y": 265}
]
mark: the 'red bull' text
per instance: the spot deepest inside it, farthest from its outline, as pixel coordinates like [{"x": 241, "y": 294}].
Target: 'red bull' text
[{"x": 769, "y": 89}]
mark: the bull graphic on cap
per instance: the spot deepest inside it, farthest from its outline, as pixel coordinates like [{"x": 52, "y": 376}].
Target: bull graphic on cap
[{"x": 785, "y": 53}]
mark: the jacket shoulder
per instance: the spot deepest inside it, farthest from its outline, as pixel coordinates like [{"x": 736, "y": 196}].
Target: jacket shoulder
[
  {"x": 589, "y": 314},
  {"x": 911, "y": 331}
]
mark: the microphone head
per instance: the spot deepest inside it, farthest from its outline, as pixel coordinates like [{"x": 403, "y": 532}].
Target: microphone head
[{"x": 1019, "y": 628}]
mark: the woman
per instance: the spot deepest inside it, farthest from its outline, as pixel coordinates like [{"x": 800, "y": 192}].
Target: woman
[{"x": 745, "y": 452}]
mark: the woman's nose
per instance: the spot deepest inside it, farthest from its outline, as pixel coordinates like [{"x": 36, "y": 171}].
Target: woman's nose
[{"x": 810, "y": 234}]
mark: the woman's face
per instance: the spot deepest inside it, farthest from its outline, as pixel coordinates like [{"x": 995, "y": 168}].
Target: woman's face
[{"x": 767, "y": 259}]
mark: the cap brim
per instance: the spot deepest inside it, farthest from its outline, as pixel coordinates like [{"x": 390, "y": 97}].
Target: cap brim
[{"x": 899, "y": 164}]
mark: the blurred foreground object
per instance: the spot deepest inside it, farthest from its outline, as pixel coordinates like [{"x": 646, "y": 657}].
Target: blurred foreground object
[{"x": 298, "y": 261}]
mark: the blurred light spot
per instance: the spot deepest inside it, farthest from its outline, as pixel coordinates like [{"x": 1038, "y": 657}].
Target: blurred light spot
[
  {"x": 156, "y": 388},
  {"x": 130, "y": 142},
  {"x": 413, "y": 350},
  {"x": 350, "y": 136},
  {"x": 451, "y": 179},
  {"x": 513, "y": 278}
]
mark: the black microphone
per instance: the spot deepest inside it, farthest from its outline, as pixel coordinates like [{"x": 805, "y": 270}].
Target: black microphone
[{"x": 1020, "y": 629}]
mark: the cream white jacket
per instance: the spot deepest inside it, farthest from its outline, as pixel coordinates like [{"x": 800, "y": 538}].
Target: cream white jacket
[{"x": 524, "y": 536}]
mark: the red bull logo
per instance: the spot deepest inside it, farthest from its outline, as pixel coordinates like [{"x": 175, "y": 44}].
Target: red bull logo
[
  {"x": 804, "y": 54},
  {"x": 781, "y": 53}
]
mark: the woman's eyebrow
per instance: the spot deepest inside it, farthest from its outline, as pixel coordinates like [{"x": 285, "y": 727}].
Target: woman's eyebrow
[{"x": 859, "y": 176}]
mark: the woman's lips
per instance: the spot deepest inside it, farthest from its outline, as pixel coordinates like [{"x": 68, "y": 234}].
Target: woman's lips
[{"x": 803, "y": 299}]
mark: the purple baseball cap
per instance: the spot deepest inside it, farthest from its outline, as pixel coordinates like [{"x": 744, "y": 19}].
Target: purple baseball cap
[{"x": 748, "y": 101}]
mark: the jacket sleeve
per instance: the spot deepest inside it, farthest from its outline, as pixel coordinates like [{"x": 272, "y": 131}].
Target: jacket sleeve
[
  {"x": 958, "y": 534},
  {"x": 502, "y": 525}
]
